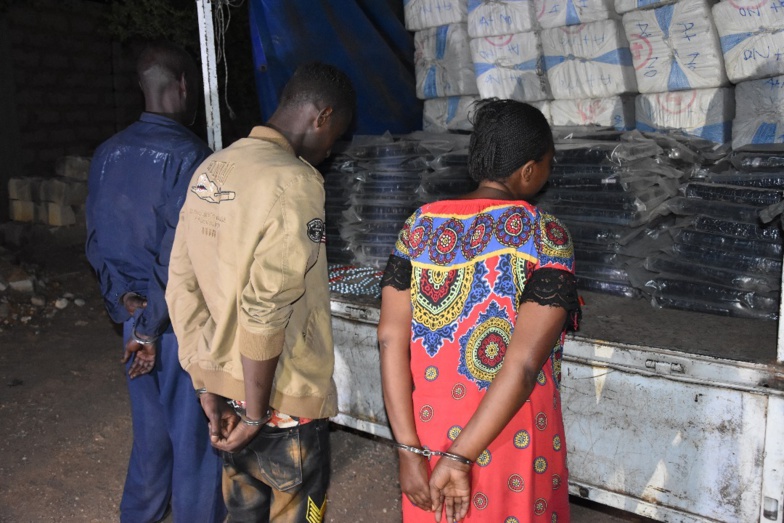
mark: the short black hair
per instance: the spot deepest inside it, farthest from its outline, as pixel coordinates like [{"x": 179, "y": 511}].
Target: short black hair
[
  {"x": 170, "y": 57},
  {"x": 507, "y": 135},
  {"x": 320, "y": 83}
]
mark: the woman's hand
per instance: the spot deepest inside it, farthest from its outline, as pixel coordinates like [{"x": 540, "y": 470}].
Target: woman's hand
[
  {"x": 450, "y": 489},
  {"x": 413, "y": 479}
]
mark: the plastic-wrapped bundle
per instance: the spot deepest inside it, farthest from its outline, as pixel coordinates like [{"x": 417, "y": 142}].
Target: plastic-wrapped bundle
[
  {"x": 499, "y": 17},
  {"x": 752, "y": 38},
  {"x": 602, "y": 272},
  {"x": 750, "y": 162},
  {"x": 738, "y": 261},
  {"x": 675, "y": 47},
  {"x": 624, "y": 6},
  {"x": 722, "y": 210},
  {"x": 759, "y": 114},
  {"x": 739, "y": 280},
  {"x": 728, "y": 243},
  {"x": 706, "y": 113},
  {"x": 584, "y": 153},
  {"x": 737, "y": 229},
  {"x": 623, "y": 290},
  {"x": 732, "y": 193},
  {"x": 766, "y": 180},
  {"x": 444, "y": 183},
  {"x": 452, "y": 113},
  {"x": 714, "y": 299},
  {"x": 423, "y": 14},
  {"x": 442, "y": 62},
  {"x": 510, "y": 67},
  {"x": 559, "y": 13},
  {"x": 616, "y": 112},
  {"x": 588, "y": 60}
]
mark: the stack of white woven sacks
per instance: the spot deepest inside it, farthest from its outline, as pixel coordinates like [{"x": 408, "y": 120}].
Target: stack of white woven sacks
[{"x": 653, "y": 65}]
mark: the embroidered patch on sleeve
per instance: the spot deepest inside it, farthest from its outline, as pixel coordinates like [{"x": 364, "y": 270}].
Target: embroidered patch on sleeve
[{"x": 316, "y": 230}]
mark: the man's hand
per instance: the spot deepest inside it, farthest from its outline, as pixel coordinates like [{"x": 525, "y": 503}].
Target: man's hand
[
  {"x": 143, "y": 357},
  {"x": 237, "y": 439},
  {"x": 450, "y": 489},
  {"x": 221, "y": 416},
  {"x": 413, "y": 479},
  {"x": 132, "y": 301}
]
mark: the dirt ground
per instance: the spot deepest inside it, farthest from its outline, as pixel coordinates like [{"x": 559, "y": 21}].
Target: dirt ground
[{"x": 65, "y": 434}]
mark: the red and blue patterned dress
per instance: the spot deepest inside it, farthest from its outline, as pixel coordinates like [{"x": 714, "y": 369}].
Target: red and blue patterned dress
[{"x": 472, "y": 263}]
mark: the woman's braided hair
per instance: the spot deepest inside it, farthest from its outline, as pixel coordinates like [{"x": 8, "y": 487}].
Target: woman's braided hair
[{"x": 507, "y": 135}]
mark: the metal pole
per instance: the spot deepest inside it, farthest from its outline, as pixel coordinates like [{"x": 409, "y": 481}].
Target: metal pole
[
  {"x": 780, "y": 344},
  {"x": 209, "y": 71}
]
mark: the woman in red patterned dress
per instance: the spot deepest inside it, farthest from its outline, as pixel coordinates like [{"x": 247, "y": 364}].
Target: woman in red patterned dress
[{"x": 475, "y": 302}]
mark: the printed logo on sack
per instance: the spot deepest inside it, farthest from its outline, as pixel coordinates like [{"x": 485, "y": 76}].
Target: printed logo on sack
[
  {"x": 677, "y": 102},
  {"x": 316, "y": 230}
]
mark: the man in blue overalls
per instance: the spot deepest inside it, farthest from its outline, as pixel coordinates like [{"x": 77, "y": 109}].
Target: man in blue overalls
[{"x": 137, "y": 185}]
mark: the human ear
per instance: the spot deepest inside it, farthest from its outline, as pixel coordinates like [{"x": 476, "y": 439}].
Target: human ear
[{"x": 323, "y": 116}]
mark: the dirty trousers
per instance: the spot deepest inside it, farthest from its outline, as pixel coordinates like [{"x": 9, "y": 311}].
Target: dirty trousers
[
  {"x": 172, "y": 460},
  {"x": 280, "y": 477}
]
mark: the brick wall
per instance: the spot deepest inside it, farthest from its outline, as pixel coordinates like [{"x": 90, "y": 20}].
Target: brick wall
[{"x": 72, "y": 86}]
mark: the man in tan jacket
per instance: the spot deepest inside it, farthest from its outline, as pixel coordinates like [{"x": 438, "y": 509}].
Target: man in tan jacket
[{"x": 248, "y": 298}]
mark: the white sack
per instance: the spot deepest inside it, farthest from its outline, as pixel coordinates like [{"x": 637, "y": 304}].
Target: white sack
[
  {"x": 442, "y": 62},
  {"x": 752, "y": 38},
  {"x": 675, "y": 47},
  {"x": 423, "y": 14},
  {"x": 448, "y": 114},
  {"x": 616, "y": 112},
  {"x": 706, "y": 113},
  {"x": 588, "y": 61},
  {"x": 558, "y": 13},
  {"x": 624, "y": 6},
  {"x": 510, "y": 66},
  {"x": 759, "y": 109},
  {"x": 499, "y": 17}
]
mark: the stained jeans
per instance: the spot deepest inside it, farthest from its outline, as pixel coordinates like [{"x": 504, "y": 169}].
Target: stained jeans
[
  {"x": 172, "y": 460},
  {"x": 281, "y": 476}
]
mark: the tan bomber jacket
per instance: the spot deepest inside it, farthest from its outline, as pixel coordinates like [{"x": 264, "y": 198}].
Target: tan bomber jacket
[{"x": 248, "y": 275}]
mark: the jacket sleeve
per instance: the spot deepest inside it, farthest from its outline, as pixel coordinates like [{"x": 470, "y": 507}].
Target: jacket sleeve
[
  {"x": 154, "y": 319},
  {"x": 113, "y": 285},
  {"x": 287, "y": 249},
  {"x": 187, "y": 308}
]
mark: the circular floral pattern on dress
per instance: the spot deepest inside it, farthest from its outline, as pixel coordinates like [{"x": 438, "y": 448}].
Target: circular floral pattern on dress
[
  {"x": 484, "y": 458},
  {"x": 555, "y": 240},
  {"x": 478, "y": 236},
  {"x": 511, "y": 519},
  {"x": 514, "y": 227},
  {"x": 540, "y": 505},
  {"x": 486, "y": 348},
  {"x": 440, "y": 295},
  {"x": 516, "y": 483},
  {"x": 458, "y": 391},
  {"x": 419, "y": 236},
  {"x": 426, "y": 413},
  {"x": 540, "y": 465},
  {"x": 443, "y": 245},
  {"x": 453, "y": 432},
  {"x": 541, "y": 379},
  {"x": 557, "y": 442},
  {"x": 480, "y": 501},
  {"x": 522, "y": 439},
  {"x": 541, "y": 421},
  {"x": 554, "y": 518},
  {"x": 431, "y": 373},
  {"x": 556, "y": 481}
]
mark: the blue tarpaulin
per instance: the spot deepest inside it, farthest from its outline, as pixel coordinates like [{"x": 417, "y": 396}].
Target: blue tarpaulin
[{"x": 365, "y": 38}]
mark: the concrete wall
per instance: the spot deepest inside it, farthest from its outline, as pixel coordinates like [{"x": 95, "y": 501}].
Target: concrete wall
[{"x": 65, "y": 85}]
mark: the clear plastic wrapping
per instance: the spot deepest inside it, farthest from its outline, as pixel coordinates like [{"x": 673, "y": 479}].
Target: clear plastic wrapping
[
  {"x": 615, "y": 289},
  {"x": 722, "y": 210},
  {"x": 772, "y": 161},
  {"x": 751, "y": 231},
  {"x": 714, "y": 258},
  {"x": 743, "y": 281},
  {"x": 732, "y": 194},
  {"x": 728, "y": 243},
  {"x": 713, "y": 297}
]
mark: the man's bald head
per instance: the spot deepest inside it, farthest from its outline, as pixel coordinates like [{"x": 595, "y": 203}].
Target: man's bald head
[{"x": 168, "y": 77}]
